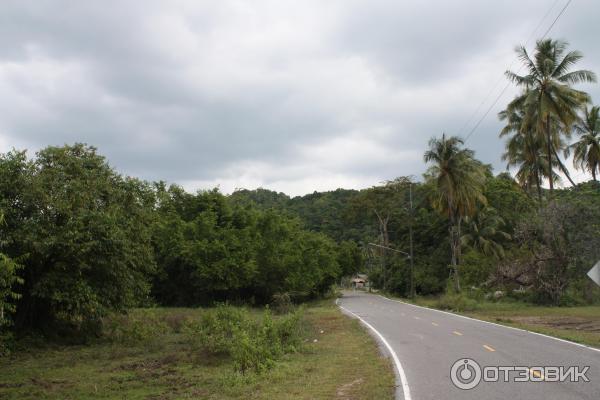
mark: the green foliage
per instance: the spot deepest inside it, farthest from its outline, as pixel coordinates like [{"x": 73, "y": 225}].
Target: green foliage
[
  {"x": 510, "y": 202},
  {"x": 80, "y": 241},
  {"x": 82, "y": 232},
  {"x": 140, "y": 326},
  {"x": 476, "y": 268},
  {"x": 586, "y": 151},
  {"x": 8, "y": 296},
  {"x": 545, "y": 111},
  {"x": 484, "y": 233},
  {"x": 457, "y": 180},
  {"x": 253, "y": 344},
  {"x": 282, "y": 303},
  {"x": 208, "y": 249},
  {"x": 557, "y": 246},
  {"x": 350, "y": 258},
  {"x": 456, "y": 302}
]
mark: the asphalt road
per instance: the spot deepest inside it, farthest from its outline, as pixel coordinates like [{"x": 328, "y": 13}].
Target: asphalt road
[{"x": 426, "y": 343}]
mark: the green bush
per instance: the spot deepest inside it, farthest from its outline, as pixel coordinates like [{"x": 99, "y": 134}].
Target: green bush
[
  {"x": 253, "y": 344},
  {"x": 7, "y": 343},
  {"x": 215, "y": 330},
  {"x": 139, "y": 326},
  {"x": 456, "y": 302},
  {"x": 282, "y": 303},
  {"x": 289, "y": 331},
  {"x": 253, "y": 353}
]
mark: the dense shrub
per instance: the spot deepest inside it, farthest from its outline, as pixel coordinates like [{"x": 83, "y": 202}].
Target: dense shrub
[
  {"x": 253, "y": 344},
  {"x": 282, "y": 303},
  {"x": 138, "y": 326},
  {"x": 6, "y": 343},
  {"x": 456, "y": 302}
]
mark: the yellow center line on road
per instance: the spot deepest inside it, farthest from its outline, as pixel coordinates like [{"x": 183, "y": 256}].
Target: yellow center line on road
[
  {"x": 434, "y": 324},
  {"x": 536, "y": 373},
  {"x": 488, "y": 348},
  {"x": 457, "y": 333}
]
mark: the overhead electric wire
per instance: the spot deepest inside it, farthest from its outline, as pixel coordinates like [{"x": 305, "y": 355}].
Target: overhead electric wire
[
  {"x": 493, "y": 89},
  {"x": 508, "y": 83}
]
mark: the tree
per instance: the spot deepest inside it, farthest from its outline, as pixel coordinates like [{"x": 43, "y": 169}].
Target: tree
[
  {"x": 386, "y": 204},
  {"x": 8, "y": 279},
  {"x": 458, "y": 180},
  {"x": 83, "y": 232},
  {"x": 210, "y": 247},
  {"x": 524, "y": 151},
  {"x": 548, "y": 102},
  {"x": 484, "y": 233},
  {"x": 586, "y": 151},
  {"x": 562, "y": 243},
  {"x": 350, "y": 258},
  {"x": 511, "y": 203}
]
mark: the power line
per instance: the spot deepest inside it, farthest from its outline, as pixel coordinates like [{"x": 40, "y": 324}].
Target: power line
[
  {"x": 556, "y": 19},
  {"x": 508, "y": 83},
  {"x": 493, "y": 89}
]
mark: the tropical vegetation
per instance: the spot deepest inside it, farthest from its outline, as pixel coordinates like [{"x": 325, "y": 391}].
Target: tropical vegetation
[{"x": 84, "y": 247}]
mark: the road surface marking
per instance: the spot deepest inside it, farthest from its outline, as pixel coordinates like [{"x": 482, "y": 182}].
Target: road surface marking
[
  {"x": 403, "y": 380},
  {"x": 493, "y": 323},
  {"x": 488, "y": 348},
  {"x": 434, "y": 324},
  {"x": 457, "y": 333},
  {"x": 536, "y": 373},
  {"x": 416, "y": 318}
]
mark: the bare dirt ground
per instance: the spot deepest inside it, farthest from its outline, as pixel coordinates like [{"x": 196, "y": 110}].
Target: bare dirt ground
[{"x": 571, "y": 323}]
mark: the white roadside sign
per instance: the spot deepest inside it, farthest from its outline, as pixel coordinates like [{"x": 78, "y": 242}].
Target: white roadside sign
[{"x": 594, "y": 273}]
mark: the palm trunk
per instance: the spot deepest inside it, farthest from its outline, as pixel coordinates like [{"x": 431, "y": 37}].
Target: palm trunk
[
  {"x": 538, "y": 180},
  {"x": 455, "y": 243},
  {"x": 594, "y": 175},
  {"x": 539, "y": 186},
  {"x": 562, "y": 167},
  {"x": 549, "y": 139},
  {"x": 458, "y": 244}
]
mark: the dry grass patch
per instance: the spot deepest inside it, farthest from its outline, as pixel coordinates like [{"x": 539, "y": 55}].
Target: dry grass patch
[{"x": 337, "y": 359}]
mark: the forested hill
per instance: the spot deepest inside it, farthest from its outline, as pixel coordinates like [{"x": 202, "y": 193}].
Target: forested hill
[
  {"x": 507, "y": 245},
  {"x": 333, "y": 213}
]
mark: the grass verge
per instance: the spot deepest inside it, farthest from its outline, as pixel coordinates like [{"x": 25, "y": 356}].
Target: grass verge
[{"x": 337, "y": 360}]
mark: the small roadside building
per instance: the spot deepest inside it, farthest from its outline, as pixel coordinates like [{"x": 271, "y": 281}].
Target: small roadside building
[{"x": 360, "y": 281}]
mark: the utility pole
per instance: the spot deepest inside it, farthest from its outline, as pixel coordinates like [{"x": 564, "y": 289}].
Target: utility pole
[{"x": 410, "y": 234}]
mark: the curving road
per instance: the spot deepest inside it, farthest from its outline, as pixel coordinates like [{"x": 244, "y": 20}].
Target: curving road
[{"x": 425, "y": 343}]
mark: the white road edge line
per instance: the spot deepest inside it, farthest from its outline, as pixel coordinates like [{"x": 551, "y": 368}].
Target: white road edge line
[
  {"x": 492, "y": 323},
  {"x": 403, "y": 380}
]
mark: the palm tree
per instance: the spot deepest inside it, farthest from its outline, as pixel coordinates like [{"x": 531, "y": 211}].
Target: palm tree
[
  {"x": 524, "y": 151},
  {"x": 586, "y": 151},
  {"x": 548, "y": 101},
  {"x": 458, "y": 181},
  {"x": 484, "y": 233}
]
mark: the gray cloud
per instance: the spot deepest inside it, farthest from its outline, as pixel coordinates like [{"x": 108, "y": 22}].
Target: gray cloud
[{"x": 294, "y": 96}]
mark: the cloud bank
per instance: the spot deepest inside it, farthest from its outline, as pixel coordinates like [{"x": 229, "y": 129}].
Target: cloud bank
[{"x": 291, "y": 96}]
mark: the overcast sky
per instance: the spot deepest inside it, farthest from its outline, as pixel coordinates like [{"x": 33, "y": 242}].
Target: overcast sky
[{"x": 293, "y": 96}]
